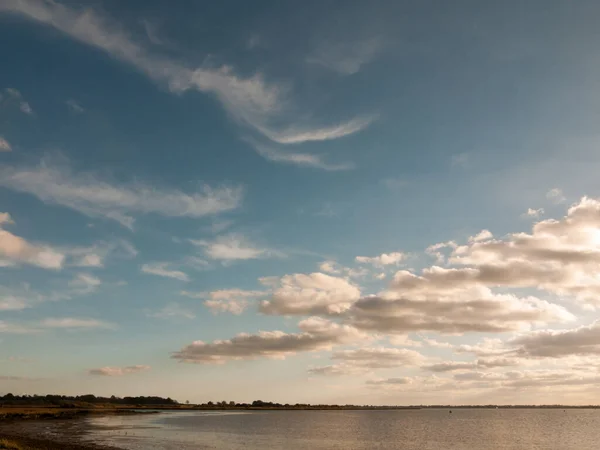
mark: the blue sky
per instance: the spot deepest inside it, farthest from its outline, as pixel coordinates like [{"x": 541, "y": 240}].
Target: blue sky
[{"x": 314, "y": 176}]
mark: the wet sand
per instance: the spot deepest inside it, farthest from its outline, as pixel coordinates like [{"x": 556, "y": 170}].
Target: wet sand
[{"x": 50, "y": 434}]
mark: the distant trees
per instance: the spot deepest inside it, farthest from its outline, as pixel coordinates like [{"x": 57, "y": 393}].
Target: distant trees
[{"x": 66, "y": 400}]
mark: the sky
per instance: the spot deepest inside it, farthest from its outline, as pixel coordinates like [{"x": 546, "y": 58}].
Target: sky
[{"x": 316, "y": 202}]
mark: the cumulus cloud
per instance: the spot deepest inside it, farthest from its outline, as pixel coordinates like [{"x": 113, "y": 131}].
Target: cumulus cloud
[
  {"x": 315, "y": 293},
  {"x": 439, "y": 250},
  {"x": 458, "y": 310},
  {"x": 234, "y": 301},
  {"x": 483, "y": 235},
  {"x": 94, "y": 196},
  {"x": 385, "y": 259},
  {"x": 316, "y": 334},
  {"x": 118, "y": 371},
  {"x": 234, "y": 247},
  {"x": 251, "y": 101},
  {"x": 582, "y": 341},
  {"x": 15, "y": 250},
  {"x": 163, "y": 269},
  {"x": 559, "y": 256},
  {"x": 4, "y": 145}
]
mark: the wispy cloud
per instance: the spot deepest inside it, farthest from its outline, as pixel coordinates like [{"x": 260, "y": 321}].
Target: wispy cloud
[
  {"x": 250, "y": 101},
  {"x": 75, "y": 323},
  {"x": 233, "y": 247},
  {"x": 172, "y": 311},
  {"x": 5, "y": 145},
  {"x": 299, "y": 159},
  {"x": 556, "y": 196},
  {"x": 294, "y": 135},
  {"x": 84, "y": 283},
  {"x": 385, "y": 259},
  {"x": 12, "y": 303},
  {"x": 162, "y": 269},
  {"x": 118, "y": 371},
  {"x": 345, "y": 58},
  {"x": 13, "y": 96},
  {"x": 74, "y": 106},
  {"x": 462, "y": 160},
  {"x": 234, "y": 301},
  {"x": 15, "y": 250},
  {"x": 94, "y": 196},
  {"x": 534, "y": 212}
]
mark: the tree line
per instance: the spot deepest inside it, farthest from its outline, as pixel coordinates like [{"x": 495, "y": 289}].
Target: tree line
[{"x": 67, "y": 400}]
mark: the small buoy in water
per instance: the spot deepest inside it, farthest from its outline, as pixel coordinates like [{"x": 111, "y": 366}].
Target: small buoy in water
[{"x": 450, "y": 412}]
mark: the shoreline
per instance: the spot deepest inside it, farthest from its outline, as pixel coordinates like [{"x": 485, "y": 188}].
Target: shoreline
[{"x": 62, "y": 434}]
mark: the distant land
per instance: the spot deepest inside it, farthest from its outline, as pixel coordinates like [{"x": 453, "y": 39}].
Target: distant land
[{"x": 60, "y": 404}]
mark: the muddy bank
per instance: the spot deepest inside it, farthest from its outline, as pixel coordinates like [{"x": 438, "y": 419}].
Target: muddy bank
[{"x": 49, "y": 435}]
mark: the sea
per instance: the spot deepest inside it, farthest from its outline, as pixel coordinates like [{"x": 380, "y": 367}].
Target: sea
[{"x": 465, "y": 429}]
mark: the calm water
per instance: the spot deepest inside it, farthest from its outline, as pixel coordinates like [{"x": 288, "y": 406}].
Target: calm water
[{"x": 473, "y": 429}]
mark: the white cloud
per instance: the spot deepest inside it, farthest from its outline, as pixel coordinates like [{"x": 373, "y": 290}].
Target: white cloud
[
  {"x": 5, "y": 145},
  {"x": 234, "y": 247},
  {"x": 385, "y": 259},
  {"x": 330, "y": 267},
  {"x": 74, "y": 106},
  {"x": 294, "y": 135},
  {"x": 559, "y": 256},
  {"x": 251, "y": 101},
  {"x": 535, "y": 213},
  {"x": 435, "y": 250},
  {"x": 316, "y": 334},
  {"x": 345, "y": 58},
  {"x": 483, "y": 235},
  {"x": 118, "y": 371},
  {"x": 556, "y": 196},
  {"x": 457, "y": 310},
  {"x": 162, "y": 269},
  {"x": 94, "y": 196},
  {"x": 172, "y": 310},
  {"x": 234, "y": 301},
  {"x": 316, "y": 293},
  {"x": 15, "y": 250}
]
